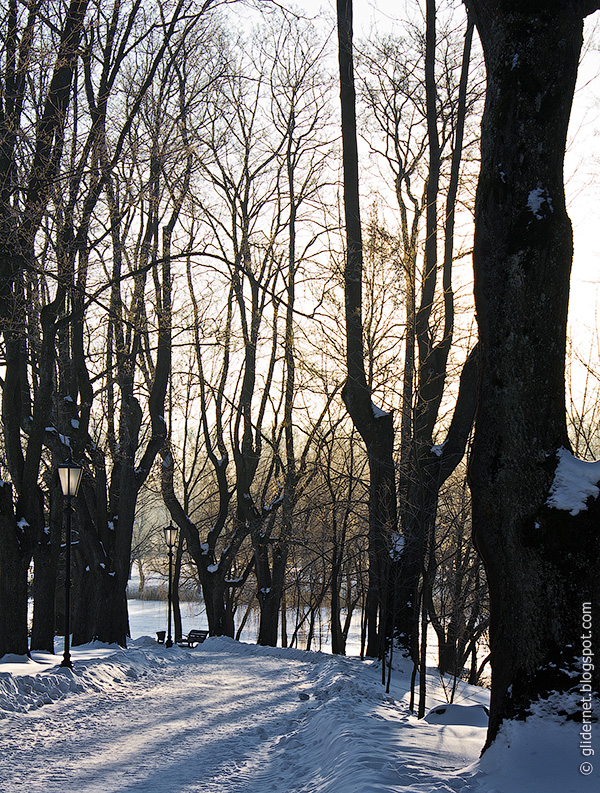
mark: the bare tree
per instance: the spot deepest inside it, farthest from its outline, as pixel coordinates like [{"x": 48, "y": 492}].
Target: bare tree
[
  {"x": 22, "y": 206},
  {"x": 52, "y": 226},
  {"x": 374, "y": 425}
]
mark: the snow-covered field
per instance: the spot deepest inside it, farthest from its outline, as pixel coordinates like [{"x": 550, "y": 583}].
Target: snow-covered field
[{"x": 230, "y": 717}]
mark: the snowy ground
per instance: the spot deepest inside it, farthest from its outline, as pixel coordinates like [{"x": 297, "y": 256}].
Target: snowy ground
[{"x": 228, "y": 717}]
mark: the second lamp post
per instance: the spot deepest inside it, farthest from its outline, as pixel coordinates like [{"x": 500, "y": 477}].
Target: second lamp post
[{"x": 171, "y": 539}]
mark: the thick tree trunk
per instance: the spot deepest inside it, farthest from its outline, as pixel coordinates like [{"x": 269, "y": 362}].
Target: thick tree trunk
[
  {"x": 100, "y": 607},
  {"x": 541, "y": 563},
  {"x": 269, "y": 618},
  {"x": 219, "y": 618},
  {"x": 45, "y": 563},
  {"x": 46, "y": 559},
  {"x": 14, "y": 564},
  {"x": 270, "y": 578}
]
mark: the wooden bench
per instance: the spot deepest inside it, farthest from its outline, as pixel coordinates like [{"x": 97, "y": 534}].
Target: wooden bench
[{"x": 193, "y": 638}]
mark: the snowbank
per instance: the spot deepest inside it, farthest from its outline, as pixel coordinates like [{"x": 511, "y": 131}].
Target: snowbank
[
  {"x": 467, "y": 715},
  {"x": 27, "y": 683},
  {"x": 536, "y": 756}
]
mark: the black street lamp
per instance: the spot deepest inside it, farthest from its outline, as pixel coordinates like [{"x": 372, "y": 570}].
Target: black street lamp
[
  {"x": 69, "y": 474},
  {"x": 170, "y": 538}
]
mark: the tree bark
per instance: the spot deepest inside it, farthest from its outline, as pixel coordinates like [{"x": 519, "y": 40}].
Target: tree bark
[
  {"x": 45, "y": 565},
  {"x": 14, "y": 563},
  {"x": 541, "y": 562},
  {"x": 375, "y": 426}
]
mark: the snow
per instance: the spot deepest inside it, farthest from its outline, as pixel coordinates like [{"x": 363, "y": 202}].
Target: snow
[
  {"x": 378, "y": 413},
  {"x": 438, "y": 449},
  {"x": 473, "y": 715},
  {"x": 229, "y": 717},
  {"x": 536, "y": 200},
  {"x": 574, "y": 482},
  {"x": 542, "y": 756}
]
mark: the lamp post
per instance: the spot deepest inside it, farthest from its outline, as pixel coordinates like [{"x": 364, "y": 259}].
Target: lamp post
[
  {"x": 170, "y": 538},
  {"x": 69, "y": 474}
]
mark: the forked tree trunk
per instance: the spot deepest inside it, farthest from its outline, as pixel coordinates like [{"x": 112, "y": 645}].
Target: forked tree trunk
[
  {"x": 423, "y": 468},
  {"x": 375, "y": 426},
  {"x": 542, "y": 563}
]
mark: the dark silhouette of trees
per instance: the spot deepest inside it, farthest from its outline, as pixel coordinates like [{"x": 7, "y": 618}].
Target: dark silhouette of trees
[
  {"x": 59, "y": 149},
  {"x": 24, "y": 195}
]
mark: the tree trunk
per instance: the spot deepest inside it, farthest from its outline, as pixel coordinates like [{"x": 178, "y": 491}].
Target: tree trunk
[
  {"x": 283, "y": 607},
  {"x": 432, "y": 469},
  {"x": 338, "y": 640},
  {"x": 541, "y": 562},
  {"x": 424, "y": 469},
  {"x": 375, "y": 426},
  {"x": 13, "y": 580},
  {"x": 269, "y": 618},
  {"x": 45, "y": 562},
  {"x": 100, "y": 606}
]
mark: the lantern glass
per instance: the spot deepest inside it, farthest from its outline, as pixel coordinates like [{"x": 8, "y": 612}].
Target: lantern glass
[
  {"x": 69, "y": 474},
  {"x": 170, "y": 535}
]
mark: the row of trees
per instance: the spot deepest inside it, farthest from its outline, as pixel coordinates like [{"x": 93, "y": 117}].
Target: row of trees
[
  {"x": 79, "y": 246},
  {"x": 402, "y": 583},
  {"x": 538, "y": 551},
  {"x": 172, "y": 295}
]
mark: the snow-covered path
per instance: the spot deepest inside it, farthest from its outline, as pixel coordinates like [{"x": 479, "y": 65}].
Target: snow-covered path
[
  {"x": 203, "y": 721},
  {"x": 224, "y": 720},
  {"x": 229, "y": 717}
]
